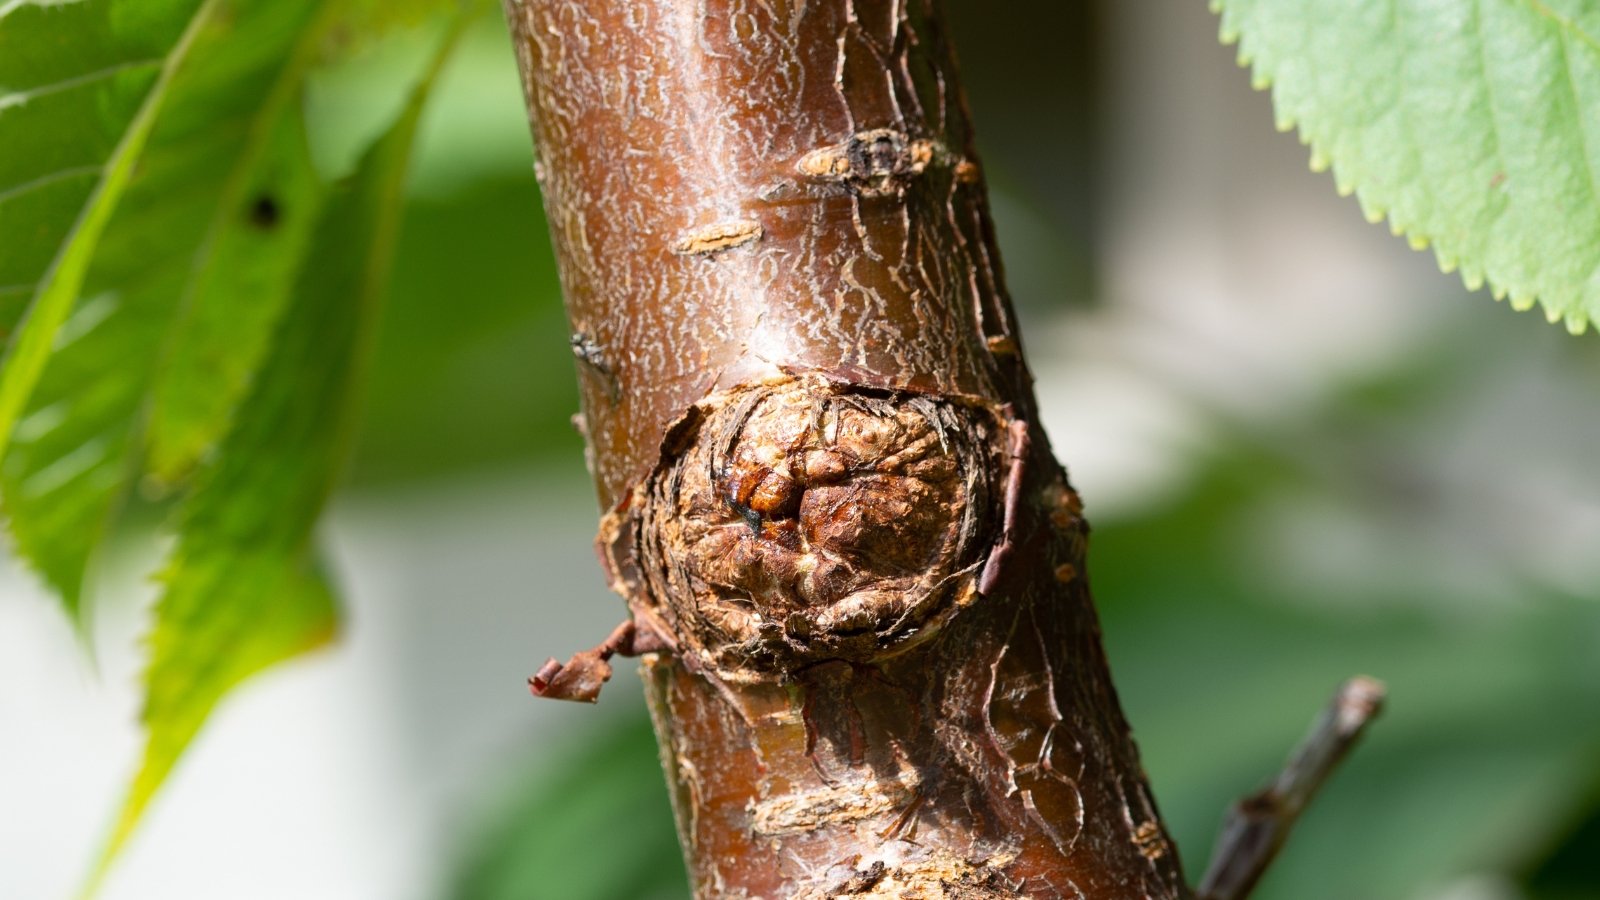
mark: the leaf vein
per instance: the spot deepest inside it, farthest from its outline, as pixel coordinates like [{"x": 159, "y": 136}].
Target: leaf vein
[
  {"x": 21, "y": 98},
  {"x": 1565, "y": 24},
  {"x": 44, "y": 181}
]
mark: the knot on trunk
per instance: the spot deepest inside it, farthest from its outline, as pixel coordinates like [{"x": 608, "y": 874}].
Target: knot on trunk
[
  {"x": 882, "y": 162},
  {"x": 806, "y": 521}
]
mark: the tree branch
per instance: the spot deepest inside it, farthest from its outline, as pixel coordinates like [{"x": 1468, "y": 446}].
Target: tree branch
[
  {"x": 823, "y": 475},
  {"x": 1257, "y": 825}
]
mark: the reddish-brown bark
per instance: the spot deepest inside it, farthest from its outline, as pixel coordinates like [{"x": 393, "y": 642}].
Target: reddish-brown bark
[{"x": 876, "y": 669}]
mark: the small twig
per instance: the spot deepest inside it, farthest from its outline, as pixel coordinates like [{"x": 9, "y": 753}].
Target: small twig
[
  {"x": 1257, "y": 825},
  {"x": 581, "y": 677}
]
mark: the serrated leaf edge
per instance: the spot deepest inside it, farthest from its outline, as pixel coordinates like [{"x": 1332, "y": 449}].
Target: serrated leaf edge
[
  {"x": 378, "y": 264},
  {"x": 1576, "y": 321}
]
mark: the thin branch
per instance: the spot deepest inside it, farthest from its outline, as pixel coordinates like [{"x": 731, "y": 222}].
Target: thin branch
[
  {"x": 1257, "y": 825},
  {"x": 581, "y": 677}
]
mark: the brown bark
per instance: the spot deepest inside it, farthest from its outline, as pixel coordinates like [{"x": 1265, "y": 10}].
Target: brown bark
[{"x": 873, "y": 663}]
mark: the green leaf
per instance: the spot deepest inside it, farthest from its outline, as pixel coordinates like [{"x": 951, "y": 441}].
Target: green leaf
[
  {"x": 542, "y": 830},
  {"x": 218, "y": 342},
  {"x": 212, "y": 224},
  {"x": 1473, "y": 125},
  {"x": 72, "y": 78},
  {"x": 265, "y": 198},
  {"x": 241, "y": 588},
  {"x": 362, "y": 21},
  {"x": 83, "y": 83}
]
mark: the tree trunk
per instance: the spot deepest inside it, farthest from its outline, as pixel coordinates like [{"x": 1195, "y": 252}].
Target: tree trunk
[{"x": 853, "y": 566}]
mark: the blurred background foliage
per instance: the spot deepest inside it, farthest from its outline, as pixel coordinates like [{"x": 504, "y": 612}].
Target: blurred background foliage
[{"x": 1306, "y": 454}]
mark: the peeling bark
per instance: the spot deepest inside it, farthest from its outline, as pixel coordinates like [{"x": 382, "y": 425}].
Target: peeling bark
[{"x": 874, "y": 666}]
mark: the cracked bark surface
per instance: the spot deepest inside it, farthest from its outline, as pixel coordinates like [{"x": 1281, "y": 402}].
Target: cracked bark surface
[{"x": 853, "y": 566}]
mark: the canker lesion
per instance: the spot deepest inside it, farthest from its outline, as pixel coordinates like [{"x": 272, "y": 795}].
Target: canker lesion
[
  {"x": 881, "y": 162},
  {"x": 808, "y": 520}
]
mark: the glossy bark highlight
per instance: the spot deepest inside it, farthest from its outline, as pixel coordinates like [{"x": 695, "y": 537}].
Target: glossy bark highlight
[{"x": 879, "y": 672}]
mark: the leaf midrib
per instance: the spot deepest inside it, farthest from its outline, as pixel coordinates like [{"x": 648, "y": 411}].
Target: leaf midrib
[{"x": 56, "y": 292}]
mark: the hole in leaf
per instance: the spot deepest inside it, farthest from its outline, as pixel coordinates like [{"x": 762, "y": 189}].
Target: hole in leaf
[{"x": 264, "y": 212}]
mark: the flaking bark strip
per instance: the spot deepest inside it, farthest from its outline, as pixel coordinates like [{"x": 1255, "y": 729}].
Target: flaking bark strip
[
  {"x": 882, "y": 161},
  {"x": 840, "y": 804},
  {"x": 716, "y": 238},
  {"x": 924, "y": 876}
]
